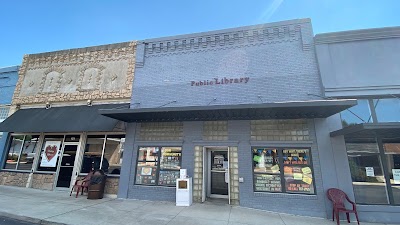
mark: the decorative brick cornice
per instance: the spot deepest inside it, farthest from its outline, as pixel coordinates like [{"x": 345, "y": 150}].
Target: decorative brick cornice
[{"x": 264, "y": 34}]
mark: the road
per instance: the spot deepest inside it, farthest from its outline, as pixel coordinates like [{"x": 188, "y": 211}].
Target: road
[{"x": 9, "y": 221}]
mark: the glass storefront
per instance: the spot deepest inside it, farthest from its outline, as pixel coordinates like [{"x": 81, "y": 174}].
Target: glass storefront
[{"x": 367, "y": 167}]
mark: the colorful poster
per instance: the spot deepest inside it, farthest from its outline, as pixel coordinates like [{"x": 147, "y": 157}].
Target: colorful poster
[{"x": 50, "y": 153}]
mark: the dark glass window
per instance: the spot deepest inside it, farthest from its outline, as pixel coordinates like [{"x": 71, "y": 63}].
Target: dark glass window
[
  {"x": 103, "y": 152},
  {"x": 21, "y": 152}
]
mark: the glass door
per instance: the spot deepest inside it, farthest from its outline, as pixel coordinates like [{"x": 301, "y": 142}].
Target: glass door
[
  {"x": 67, "y": 165},
  {"x": 218, "y": 175}
]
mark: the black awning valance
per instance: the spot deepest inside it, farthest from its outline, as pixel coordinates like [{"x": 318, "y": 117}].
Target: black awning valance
[
  {"x": 61, "y": 119},
  {"x": 284, "y": 110}
]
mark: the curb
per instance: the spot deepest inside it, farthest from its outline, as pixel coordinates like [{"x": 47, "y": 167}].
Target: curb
[{"x": 29, "y": 219}]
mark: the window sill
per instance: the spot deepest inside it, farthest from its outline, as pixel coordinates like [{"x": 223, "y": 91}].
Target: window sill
[
  {"x": 16, "y": 171},
  {"x": 153, "y": 186},
  {"x": 285, "y": 195},
  {"x": 44, "y": 172}
]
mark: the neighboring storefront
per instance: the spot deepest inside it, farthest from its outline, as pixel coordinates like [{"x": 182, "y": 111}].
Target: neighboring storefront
[
  {"x": 8, "y": 80},
  {"x": 56, "y": 133},
  {"x": 240, "y": 109},
  {"x": 363, "y": 64}
]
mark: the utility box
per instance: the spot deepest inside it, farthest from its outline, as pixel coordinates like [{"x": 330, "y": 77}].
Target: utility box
[{"x": 184, "y": 192}]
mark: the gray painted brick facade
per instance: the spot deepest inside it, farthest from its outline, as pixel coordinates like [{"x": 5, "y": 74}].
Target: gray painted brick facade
[
  {"x": 281, "y": 66},
  {"x": 280, "y": 62}
]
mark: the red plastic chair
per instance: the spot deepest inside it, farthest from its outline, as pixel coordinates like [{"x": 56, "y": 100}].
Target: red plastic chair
[
  {"x": 81, "y": 184},
  {"x": 338, "y": 197}
]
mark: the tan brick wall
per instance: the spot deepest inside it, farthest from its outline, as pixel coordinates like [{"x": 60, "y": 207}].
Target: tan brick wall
[
  {"x": 13, "y": 178},
  {"x": 111, "y": 185},
  {"x": 98, "y": 73},
  {"x": 43, "y": 181}
]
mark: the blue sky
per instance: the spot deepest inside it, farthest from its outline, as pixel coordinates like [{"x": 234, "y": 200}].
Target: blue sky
[{"x": 46, "y": 25}]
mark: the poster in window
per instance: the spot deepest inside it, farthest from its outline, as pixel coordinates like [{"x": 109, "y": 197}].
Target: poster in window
[
  {"x": 50, "y": 153},
  {"x": 267, "y": 182},
  {"x": 296, "y": 156},
  {"x": 146, "y": 175},
  {"x": 298, "y": 179},
  {"x": 168, "y": 177}
]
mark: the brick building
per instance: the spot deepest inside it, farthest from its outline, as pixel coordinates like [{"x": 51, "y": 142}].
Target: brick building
[
  {"x": 240, "y": 109},
  {"x": 56, "y": 134}
]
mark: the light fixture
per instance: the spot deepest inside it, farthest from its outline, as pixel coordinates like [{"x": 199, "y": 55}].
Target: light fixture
[
  {"x": 48, "y": 105},
  {"x": 89, "y": 102}
]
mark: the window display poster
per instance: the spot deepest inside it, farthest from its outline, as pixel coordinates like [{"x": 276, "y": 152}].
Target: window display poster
[
  {"x": 146, "y": 175},
  {"x": 370, "y": 171},
  {"x": 50, "y": 153},
  {"x": 296, "y": 156},
  {"x": 298, "y": 179},
  {"x": 168, "y": 177},
  {"x": 396, "y": 176},
  {"x": 267, "y": 182}
]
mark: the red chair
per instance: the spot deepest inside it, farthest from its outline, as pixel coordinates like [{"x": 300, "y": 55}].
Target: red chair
[
  {"x": 82, "y": 184},
  {"x": 338, "y": 197}
]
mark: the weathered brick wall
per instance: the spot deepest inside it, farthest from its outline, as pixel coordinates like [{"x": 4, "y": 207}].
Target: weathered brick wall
[
  {"x": 13, "y": 178},
  {"x": 98, "y": 73},
  {"x": 43, "y": 181},
  {"x": 111, "y": 185}
]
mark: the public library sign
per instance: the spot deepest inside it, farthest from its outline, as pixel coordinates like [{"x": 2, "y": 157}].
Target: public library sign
[{"x": 218, "y": 81}]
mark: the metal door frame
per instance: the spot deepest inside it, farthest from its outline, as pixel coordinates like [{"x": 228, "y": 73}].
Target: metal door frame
[
  {"x": 206, "y": 192},
  {"x": 61, "y": 154}
]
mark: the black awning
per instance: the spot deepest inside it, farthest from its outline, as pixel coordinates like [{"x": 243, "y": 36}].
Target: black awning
[
  {"x": 286, "y": 110},
  {"x": 61, "y": 119},
  {"x": 369, "y": 130}
]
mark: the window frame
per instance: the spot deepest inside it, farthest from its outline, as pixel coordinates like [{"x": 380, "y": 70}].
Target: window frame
[
  {"x": 158, "y": 164},
  {"x": 281, "y": 170}
]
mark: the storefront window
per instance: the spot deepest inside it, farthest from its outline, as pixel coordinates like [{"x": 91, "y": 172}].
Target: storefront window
[
  {"x": 392, "y": 152},
  {"x": 158, "y": 165},
  {"x": 387, "y": 110},
  {"x": 21, "y": 152},
  {"x": 103, "y": 152},
  {"x": 286, "y": 170},
  {"x": 359, "y": 113},
  {"x": 367, "y": 173}
]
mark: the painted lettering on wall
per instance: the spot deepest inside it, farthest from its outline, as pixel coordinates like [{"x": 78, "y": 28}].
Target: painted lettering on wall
[{"x": 218, "y": 81}]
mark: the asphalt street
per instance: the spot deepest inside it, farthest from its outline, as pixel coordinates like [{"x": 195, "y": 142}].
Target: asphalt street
[{"x": 9, "y": 221}]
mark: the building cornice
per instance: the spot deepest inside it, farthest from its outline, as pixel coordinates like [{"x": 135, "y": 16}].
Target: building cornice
[
  {"x": 358, "y": 35},
  {"x": 271, "y": 33}
]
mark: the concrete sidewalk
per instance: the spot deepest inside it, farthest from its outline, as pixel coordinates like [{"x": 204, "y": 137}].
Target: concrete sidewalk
[{"x": 48, "y": 207}]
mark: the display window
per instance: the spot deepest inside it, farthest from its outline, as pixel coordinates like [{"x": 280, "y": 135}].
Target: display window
[
  {"x": 284, "y": 170},
  {"x": 21, "y": 152},
  {"x": 103, "y": 152},
  {"x": 158, "y": 166},
  {"x": 375, "y": 170}
]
